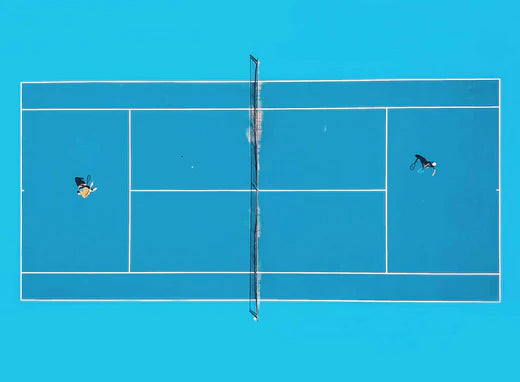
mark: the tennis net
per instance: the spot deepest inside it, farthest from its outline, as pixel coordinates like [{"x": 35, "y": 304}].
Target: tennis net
[{"x": 254, "y": 290}]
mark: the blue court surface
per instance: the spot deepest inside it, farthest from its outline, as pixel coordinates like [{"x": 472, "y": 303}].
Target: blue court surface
[{"x": 342, "y": 217}]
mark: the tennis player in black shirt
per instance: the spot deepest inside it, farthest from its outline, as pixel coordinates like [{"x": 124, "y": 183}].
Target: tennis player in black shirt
[{"x": 424, "y": 163}]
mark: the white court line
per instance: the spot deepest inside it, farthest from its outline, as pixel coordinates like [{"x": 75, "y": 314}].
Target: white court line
[
  {"x": 137, "y": 82},
  {"x": 247, "y": 81},
  {"x": 263, "y": 300},
  {"x": 386, "y": 190},
  {"x": 499, "y": 193},
  {"x": 21, "y": 188},
  {"x": 138, "y": 109},
  {"x": 131, "y": 300},
  {"x": 378, "y": 107},
  {"x": 386, "y": 80},
  {"x": 266, "y": 273},
  {"x": 262, "y": 108},
  {"x": 129, "y": 190},
  {"x": 235, "y": 190},
  {"x": 140, "y": 273},
  {"x": 248, "y": 190},
  {"x": 330, "y": 190},
  {"x": 391, "y": 301},
  {"x": 387, "y": 273}
]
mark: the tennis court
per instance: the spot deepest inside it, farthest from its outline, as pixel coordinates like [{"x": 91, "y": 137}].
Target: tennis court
[{"x": 330, "y": 212}]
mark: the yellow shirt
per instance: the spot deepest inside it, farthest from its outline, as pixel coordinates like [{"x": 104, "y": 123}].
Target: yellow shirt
[{"x": 84, "y": 191}]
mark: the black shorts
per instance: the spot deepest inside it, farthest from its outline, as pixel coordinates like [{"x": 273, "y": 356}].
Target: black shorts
[{"x": 423, "y": 160}]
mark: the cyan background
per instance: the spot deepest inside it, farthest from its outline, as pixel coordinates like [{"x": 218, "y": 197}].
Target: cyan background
[{"x": 294, "y": 40}]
